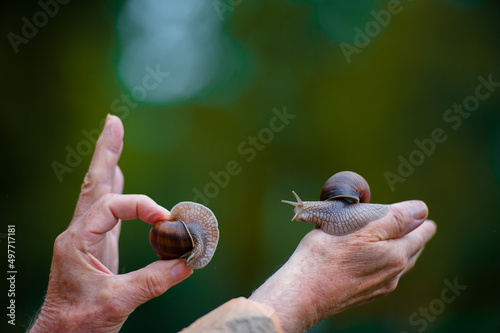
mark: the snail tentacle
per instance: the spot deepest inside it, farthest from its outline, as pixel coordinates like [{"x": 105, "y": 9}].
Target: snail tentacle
[{"x": 299, "y": 205}]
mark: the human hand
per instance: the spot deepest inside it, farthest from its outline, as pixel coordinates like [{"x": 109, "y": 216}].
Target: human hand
[
  {"x": 84, "y": 292},
  {"x": 328, "y": 274}
]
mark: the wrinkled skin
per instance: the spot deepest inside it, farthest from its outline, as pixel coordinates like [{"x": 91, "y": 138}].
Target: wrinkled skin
[
  {"x": 325, "y": 275},
  {"x": 85, "y": 294},
  {"x": 329, "y": 274}
]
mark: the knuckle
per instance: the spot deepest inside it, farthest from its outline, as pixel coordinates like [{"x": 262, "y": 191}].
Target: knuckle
[
  {"x": 410, "y": 266},
  {"x": 93, "y": 178},
  {"x": 57, "y": 243},
  {"x": 105, "y": 199},
  {"x": 393, "y": 285},
  {"x": 395, "y": 264},
  {"x": 87, "y": 182},
  {"x": 60, "y": 245},
  {"x": 399, "y": 263},
  {"x": 60, "y": 240},
  {"x": 390, "y": 287},
  {"x": 387, "y": 288},
  {"x": 155, "y": 286},
  {"x": 399, "y": 219}
]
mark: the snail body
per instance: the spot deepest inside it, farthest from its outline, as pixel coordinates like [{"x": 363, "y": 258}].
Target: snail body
[
  {"x": 193, "y": 234},
  {"x": 343, "y": 208}
]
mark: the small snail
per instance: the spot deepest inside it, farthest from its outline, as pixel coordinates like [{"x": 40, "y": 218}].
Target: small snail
[
  {"x": 344, "y": 205},
  {"x": 192, "y": 234}
]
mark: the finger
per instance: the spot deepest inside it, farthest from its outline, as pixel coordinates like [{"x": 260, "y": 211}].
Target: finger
[
  {"x": 413, "y": 243},
  {"x": 117, "y": 188},
  {"x": 101, "y": 175},
  {"x": 416, "y": 240},
  {"x": 106, "y": 212},
  {"x": 115, "y": 232},
  {"x": 118, "y": 181},
  {"x": 151, "y": 281},
  {"x": 411, "y": 262},
  {"x": 403, "y": 217}
]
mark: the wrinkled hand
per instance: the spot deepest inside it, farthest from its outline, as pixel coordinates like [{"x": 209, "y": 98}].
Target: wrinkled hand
[
  {"x": 84, "y": 292},
  {"x": 328, "y": 274}
]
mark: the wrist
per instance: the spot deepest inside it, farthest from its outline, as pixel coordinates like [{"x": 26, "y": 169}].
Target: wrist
[
  {"x": 287, "y": 294},
  {"x": 49, "y": 319},
  {"x": 300, "y": 292},
  {"x": 72, "y": 319}
]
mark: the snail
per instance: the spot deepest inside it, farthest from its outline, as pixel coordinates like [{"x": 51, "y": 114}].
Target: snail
[
  {"x": 343, "y": 208},
  {"x": 192, "y": 234}
]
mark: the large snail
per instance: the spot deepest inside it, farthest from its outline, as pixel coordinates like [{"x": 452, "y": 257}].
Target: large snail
[
  {"x": 192, "y": 234},
  {"x": 343, "y": 208}
]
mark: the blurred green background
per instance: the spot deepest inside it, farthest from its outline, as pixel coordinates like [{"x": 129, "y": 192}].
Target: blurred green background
[{"x": 230, "y": 64}]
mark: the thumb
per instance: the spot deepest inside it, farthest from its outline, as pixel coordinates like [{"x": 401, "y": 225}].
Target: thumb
[
  {"x": 403, "y": 218},
  {"x": 153, "y": 280}
]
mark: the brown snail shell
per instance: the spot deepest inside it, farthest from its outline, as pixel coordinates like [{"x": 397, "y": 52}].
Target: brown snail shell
[
  {"x": 343, "y": 208},
  {"x": 193, "y": 234},
  {"x": 170, "y": 239},
  {"x": 346, "y": 185}
]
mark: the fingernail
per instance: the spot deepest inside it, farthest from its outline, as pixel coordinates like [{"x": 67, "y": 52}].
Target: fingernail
[
  {"x": 180, "y": 272},
  {"x": 417, "y": 209},
  {"x": 107, "y": 121}
]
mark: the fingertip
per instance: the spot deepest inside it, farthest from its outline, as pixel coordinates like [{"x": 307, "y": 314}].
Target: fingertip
[
  {"x": 159, "y": 214},
  {"x": 174, "y": 270},
  {"x": 154, "y": 279},
  {"x": 432, "y": 222},
  {"x": 431, "y": 226},
  {"x": 114, "y": 128},
  {"x": 180, "y": 272},
  {"x": 112, "y": 121},
  {"x": 404, "y": 217},
  {"x": 417, "y": 209},
  {"x": 163, "y": 211}
]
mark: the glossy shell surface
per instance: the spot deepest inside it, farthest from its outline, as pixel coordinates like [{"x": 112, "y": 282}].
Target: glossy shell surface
[
  {"x": 346, "y": 185},
  {"x": 170, "y": 239}
]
